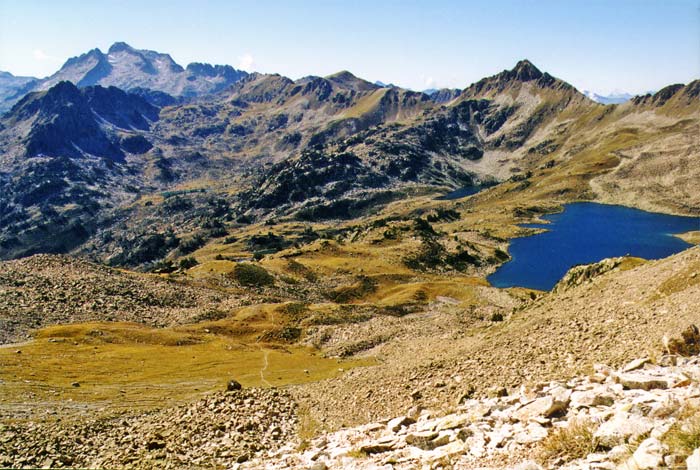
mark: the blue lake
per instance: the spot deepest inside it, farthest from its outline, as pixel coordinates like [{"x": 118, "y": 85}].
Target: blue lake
[
  {"x": 465, "y": 191},
  {"x": 586, "y": 233},
  {"x": 460, "y": 193}
]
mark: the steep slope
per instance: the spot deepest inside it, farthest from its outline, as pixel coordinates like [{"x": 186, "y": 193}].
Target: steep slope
[
  {"x": 12, "y": 88},
  {"x": 660, "y": 166},
  {"x": 63, "y": 159},
  {"x": 434, "y": 361},
  {"x": 480, "y": 136},
  {"x": 65, "y": 121}
]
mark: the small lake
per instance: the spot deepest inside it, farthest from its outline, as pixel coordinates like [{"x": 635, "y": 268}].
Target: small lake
[
  {"x": 586, "y": 233},
  {"x": 460, "y": 193},
  {"x": 465, "y": 191}
]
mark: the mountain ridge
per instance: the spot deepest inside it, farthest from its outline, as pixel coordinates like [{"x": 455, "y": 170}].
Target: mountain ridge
[
  {"x": 128, "y": 68},
  {"x": 323, "y": 148}
]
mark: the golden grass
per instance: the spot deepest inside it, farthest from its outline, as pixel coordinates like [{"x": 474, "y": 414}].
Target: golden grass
[
  {"x": 684, "y": 436},
  {"x": 365, "y": 104},
  {"x": 207, "y": 268},
  {"x": 459, "y": 288},
  {"x": 575, "y": 441},
  {"x": 124, "y": 365},
  {"x": 690, "y": 276},
  {"x": 692, "y": 237}
]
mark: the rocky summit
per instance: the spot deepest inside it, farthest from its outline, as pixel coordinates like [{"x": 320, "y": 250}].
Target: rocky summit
[{"x": 129, "y": 69}]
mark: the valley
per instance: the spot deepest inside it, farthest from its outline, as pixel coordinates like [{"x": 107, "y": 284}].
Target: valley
[{"x": 329, "y": 244}]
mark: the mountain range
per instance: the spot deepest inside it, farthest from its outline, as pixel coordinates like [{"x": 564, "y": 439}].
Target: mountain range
[
  {"x": 617, "y": 97},
  {"x": 130, "y": 159},
  {"x": 172, "y": 239},
  {"x": 129, "y": 69}
]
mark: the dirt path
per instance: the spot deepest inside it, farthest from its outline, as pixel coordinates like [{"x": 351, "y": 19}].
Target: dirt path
[
  {"x": 262, "y": 371},
  {"x": 15, "y": 345}
]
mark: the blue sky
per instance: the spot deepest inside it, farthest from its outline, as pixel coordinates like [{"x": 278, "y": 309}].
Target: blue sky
[{"x": 599, "y": 45}]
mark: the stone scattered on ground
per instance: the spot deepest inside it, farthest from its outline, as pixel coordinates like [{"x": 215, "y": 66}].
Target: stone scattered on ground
[
  {"x": 44, "y": 290},
  {"x": 629, "y": 419},
  {"x": 219, "y": 430}
]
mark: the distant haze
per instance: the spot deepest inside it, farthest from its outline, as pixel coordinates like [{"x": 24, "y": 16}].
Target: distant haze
[{"x": 634, "y": 46}]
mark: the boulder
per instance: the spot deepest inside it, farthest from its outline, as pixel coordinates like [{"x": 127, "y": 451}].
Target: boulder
[
  {"x": 636, "y": 364},
  {"x": 641, "y": 381},
  {"x": 693, "y": 462},
  {"x": 600, "y": 396},
  {"x": 649, "y": 455},
  {"x": 534, "y": 432},
  {"x": 382, "y": 445},
  {"x": 233, "y": 385},
  {"x": 622, "y": 427},
  {"x": 396, "y": 424},
  {"x": 546, "y": 406},
  {"x": 452, "y": 422},
  {"x": 427, "y": 440}
]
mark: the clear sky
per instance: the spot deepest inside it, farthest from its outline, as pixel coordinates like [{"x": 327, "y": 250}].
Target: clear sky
[{"x": 598, "y": 45}]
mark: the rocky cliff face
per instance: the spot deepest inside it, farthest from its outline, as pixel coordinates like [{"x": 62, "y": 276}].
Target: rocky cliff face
[
  {"x": 127, "y": 68},
  {"x": 64, "y": 153}
]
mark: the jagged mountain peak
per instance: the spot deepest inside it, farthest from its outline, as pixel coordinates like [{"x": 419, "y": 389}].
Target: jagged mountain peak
[
  {"x": 524, "y": 72},
  {"x": 128, "y": 68},
  {"x": 92, "y": 54},
  {"x": 119, "y": 46},
  {"x": 67, "y": 121},
  {"x": 677, "y": 93},
  {"x": 46, "y": 102}
]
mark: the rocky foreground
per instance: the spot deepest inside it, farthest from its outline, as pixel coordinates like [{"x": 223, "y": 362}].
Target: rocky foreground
[
  {"x": 221, "y": 429},
  {"x": 638, "y": 417},
  {"x": 645, "y": 415}
]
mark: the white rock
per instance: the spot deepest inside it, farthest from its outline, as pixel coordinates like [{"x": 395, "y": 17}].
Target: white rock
[
  {"x": 396, "y": 424},
  {"x": 382, "y": 445},
  {"x": 476, "y": 445},
  {"x": 649, "y": 454},
  {"x": 693, "y": 462},
  {"x": 599, "y": 396},
  {"x": 452, "y": 422},
  {"x": 597, "y": 458},
  {"x": 546, "y": 406},
  {"x": 422, "y": 439},
  {"x": 642, "y": 380},
  {"x": 636, "y": 364},
  {"x": 621, "y": 427},
  {"x": 498, "y": 436},
  {"x": 527, "y": 465},
  {"x": 533, "y": 433}
]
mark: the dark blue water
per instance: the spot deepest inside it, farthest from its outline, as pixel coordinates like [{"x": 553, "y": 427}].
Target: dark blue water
[
  {"x": 586, "y": 233},
  {"x": 464, "y": 192}
]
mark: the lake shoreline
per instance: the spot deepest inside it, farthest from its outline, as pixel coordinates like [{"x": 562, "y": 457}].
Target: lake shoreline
[{"x": 590, "y": 232}]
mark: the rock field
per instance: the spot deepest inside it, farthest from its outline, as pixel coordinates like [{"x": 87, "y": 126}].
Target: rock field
[
  {"x": 46, "y": 290},
  {"x": 628, "y": 413},
  {"x": 214, "y": 432}
]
